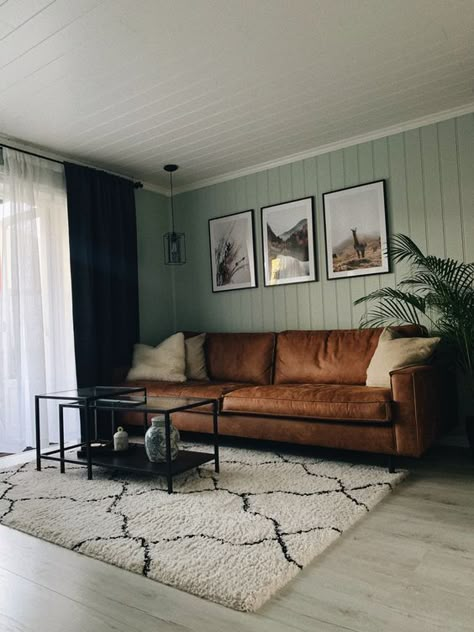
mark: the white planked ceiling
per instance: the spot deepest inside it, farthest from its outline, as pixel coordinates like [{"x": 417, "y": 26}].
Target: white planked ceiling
[{"x": 219, "y": 86}]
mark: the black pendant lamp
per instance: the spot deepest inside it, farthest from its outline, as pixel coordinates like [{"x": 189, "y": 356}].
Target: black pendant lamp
[{"x": 174, "y": 243}]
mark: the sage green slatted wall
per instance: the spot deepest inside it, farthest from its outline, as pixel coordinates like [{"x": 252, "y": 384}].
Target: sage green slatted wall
[
  {"x": 430, "y": 187},
  {"x": 155, "y": 282}
]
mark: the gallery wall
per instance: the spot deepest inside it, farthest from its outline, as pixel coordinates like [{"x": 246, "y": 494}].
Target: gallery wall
[{"x": 429, "y": 176}]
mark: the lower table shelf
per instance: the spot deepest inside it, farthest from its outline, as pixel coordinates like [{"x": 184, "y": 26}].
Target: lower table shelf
[{"x": 136, "y": 460}]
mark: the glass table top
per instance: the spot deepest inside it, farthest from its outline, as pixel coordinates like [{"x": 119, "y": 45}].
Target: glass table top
[
  {"x": 93, "y": 392},
  {"x": 152, "y": 404},
  {"x": 123, "y": 397}
]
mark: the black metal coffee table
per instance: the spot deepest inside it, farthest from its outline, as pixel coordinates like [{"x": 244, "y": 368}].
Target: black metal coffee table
[{"x": 90, "y": 401}]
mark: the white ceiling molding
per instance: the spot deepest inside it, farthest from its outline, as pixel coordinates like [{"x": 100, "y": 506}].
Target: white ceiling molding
[
  {"x": 285, "y": 160},
  {"x": 156, "y": 188},
  {"x": 324, "y": 149}
]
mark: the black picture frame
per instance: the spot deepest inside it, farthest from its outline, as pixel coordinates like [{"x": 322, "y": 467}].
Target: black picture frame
[
  {"x": 272, "y": 265},
  {"x": 344, "y": 259},
  {"x": 228, "y": 276}
]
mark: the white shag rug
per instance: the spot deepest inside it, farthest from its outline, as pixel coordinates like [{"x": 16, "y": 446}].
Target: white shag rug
[{"x": 234, "y": 537}]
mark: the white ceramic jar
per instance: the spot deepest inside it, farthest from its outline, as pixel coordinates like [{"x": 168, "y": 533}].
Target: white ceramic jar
[{"x": 120, "y": 440}]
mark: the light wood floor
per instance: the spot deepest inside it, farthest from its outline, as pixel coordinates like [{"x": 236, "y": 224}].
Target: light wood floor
[{"x": 407, "y": 567}]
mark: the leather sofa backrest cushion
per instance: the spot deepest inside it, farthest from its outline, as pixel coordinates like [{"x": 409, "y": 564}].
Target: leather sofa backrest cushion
[
  {"x": 240, "y": 357},
  {"x": 328, "y": 357}
]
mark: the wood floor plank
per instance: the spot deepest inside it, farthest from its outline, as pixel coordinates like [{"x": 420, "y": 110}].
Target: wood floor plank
[{"x": 406, "y": 567}]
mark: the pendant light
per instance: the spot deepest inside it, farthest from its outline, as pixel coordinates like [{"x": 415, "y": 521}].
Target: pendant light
[{"x": 174, "y": 243}]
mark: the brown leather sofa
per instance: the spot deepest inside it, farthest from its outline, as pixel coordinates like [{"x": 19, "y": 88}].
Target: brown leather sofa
[{"x": 308, "y": 387}]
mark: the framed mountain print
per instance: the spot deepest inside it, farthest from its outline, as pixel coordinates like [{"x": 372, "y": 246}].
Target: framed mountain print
[
  {"x": 232, "y": 252},
  {"x": 355, "y": 223},
  {"x": 288, "y": 242}
]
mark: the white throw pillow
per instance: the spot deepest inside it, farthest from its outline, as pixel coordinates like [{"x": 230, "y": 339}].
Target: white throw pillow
[
  {"x": 396, "y": 352},
  {"x": 196, "y": 358},
  {"x": 166, "y": 362}
]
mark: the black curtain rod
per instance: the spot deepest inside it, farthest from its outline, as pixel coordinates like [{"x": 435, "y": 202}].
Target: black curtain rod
[
  {"x": 30, "y": 153},
  {"x": 136, "y": 185}
]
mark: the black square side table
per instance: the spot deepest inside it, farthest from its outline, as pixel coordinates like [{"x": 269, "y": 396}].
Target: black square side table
[{"x": 135, "y": 459}]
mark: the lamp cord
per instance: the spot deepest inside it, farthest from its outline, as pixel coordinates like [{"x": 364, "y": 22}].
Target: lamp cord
[{"x": 172, "y": 205}]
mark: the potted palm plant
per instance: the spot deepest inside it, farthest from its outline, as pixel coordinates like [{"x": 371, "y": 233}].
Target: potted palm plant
[{"x": 438, "y": 293}]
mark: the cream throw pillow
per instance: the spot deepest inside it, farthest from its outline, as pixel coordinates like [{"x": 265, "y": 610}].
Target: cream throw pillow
[
  {"x": 195, "y": 358},
  {"x": 166, "y": 362},
  {"x": 395, "y": 352}
]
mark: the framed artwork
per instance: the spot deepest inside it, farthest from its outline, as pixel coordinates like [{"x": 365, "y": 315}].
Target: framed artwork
[
  {"x": 288, "y": 242},
  {"x": 232, "y": 247},
  {"x": 355, "y": 224}
]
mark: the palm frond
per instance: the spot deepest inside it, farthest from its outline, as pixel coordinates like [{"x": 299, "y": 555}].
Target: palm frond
[
  {"x": 402, "y": 248},
  {"x": 394, "y": 307},
  {"x": 439, "y": 290},
  {"x": 394, "y": 294},
  {"x": 389, "y": 312},
  {"x": 455, "y": 273}
]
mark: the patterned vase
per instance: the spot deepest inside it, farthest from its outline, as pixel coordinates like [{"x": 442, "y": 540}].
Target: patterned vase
[{"x": 155, "y": 440}]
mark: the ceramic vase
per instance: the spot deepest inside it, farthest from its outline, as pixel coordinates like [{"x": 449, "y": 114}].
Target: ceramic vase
[
  {"x": 155, "y": 440},
  {"x": 120, "y": 440}
]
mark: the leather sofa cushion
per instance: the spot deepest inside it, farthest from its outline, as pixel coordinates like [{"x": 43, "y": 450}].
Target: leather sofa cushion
[
  {"x": 236, "y": 357},
  {"x": 346, "y": 436},
  {"x": 313, "y": 401},
  {"x": 328, "y": 357}
]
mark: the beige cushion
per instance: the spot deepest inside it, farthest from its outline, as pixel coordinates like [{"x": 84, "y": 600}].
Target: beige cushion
[
  {"x": 395, "y": 352},
  {"x": 166, "y": 362},
  {"x": 195, "y": 358}
]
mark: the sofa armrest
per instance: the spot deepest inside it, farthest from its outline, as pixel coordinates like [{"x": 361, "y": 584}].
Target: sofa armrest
[{"x": 417, "y": 396}]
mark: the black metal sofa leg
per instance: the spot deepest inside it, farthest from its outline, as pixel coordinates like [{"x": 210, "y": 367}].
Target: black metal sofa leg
[{"x": 391, "y": 463}]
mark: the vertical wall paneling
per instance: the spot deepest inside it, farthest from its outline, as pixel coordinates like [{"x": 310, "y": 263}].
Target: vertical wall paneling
[
  {"x": 432, "y": 189},
  {"x": 186, "y": 312},
  {"x": 302, "y": 305},
  {"x": 263, "y": 198},
  {"x": 155, "y": 281},
  {"x": 365, "y": 173},
  {"x": 343, "y": 286},
  {"x": 315, "y": 290},
  {"x": 414, "y": 180},
  {"x": 244, "y": 308},
  {"x": 450, "y": 193},
  {"x": 351, "y": 178},
  {"x": 233, "y": 204},
  {"x": 202, "y": 243},
  {"x": 278, "y": 293},
  {"x": 255, "y": 296},
  {"x": 290, "y": 292},
  {"x": 397, "y": 207},
  {"x": 430, "y": 196},
  {"x": 330, "y": 314},
  {"x": 465, "y": 168},
  {"x": 381, "y": 160}
]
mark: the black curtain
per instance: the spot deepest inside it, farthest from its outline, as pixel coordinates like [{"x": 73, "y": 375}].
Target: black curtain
[{"x": 103, "y": 245}]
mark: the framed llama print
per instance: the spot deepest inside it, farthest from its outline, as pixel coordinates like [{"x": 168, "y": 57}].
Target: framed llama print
[
  {"x": 355, "y": 223},
  {"x": 288, "y": 242},
  {"x": 232, "y": 252}
]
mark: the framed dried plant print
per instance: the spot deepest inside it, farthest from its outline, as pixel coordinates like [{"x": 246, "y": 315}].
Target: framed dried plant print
[{"x": 232, "y": 247}]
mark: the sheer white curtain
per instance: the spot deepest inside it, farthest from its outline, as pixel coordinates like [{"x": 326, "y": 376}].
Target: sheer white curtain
[{"x": 36, "y": 327}]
